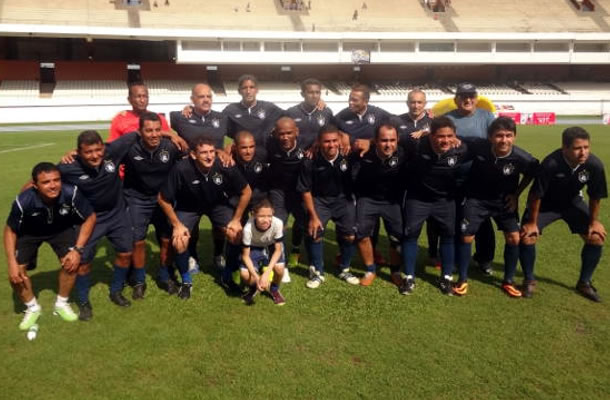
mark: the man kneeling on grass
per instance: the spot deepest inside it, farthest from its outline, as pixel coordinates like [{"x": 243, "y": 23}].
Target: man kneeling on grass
[
  {"x": 262, "y": 236},
  {"x": 47, "y": 212}
]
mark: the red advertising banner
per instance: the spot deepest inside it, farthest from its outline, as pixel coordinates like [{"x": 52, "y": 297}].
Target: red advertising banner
[
  {"x": 515, "y": 116},
  {"x": 543, "y": 118}
]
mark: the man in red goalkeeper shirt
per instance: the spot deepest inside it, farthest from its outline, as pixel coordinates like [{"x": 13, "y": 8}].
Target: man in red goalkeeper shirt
[{"x": 129, "y": 120}]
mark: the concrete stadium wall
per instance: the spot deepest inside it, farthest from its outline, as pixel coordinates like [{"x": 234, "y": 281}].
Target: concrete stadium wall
[{"x": 562, "y": 105}]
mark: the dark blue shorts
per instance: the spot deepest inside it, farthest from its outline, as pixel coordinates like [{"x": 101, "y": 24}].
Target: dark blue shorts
[
  {"x": 260, "y": 257},
  {"x": 144, "y": 212},
  {"x": 341, "y": 210},
  {"x": 116, "y": 226},
  {"x": 368, "y": 212},
  {"x": 27, "y": 245},
  {"x": 220, "y": 216},
  {"x": 474, "y": 212},
  {"x": 442, "y": 211},
  {"x": 286, "y": 203},
  {"x": 576, "y": 215}
]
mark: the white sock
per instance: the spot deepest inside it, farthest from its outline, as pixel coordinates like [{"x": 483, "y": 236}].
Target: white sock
[
  {"x": 33, "y": 305},
  {"x": 61, "y": 301}
]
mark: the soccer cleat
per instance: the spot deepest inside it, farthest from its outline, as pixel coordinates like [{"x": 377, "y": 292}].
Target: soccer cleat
[
  {"x": 248, "y": 298},
  {"x": 65, "y": 312},
  {"x": 220, "y": 262},
  {"x": 85, "y": 311},
  {"x": 510, "y": 289},
  {"x": 485, "y": 268},
  {"x": 396, "y": 278},
  {"x": 446, "y": 286},
  {"x": 138, "y": 291},
  {"x": 185, "y": 291},
  {"x": 368, "y": 278},
  {"x": 461, "y": 288},
  {"x": 527, "y": 289},
  {"x": 315, "y": 281},
  {"x": 348, "y": 277},
  {"x": 293, "y": 259},
  {"x": 588, "y": 291},
  {"x": 30, "y": 318},
  {"x": 406, "y": 287},
  {"x": 277, "y": 297},
  {"x": 118, "y": 299},
  {"x": 286, "y": 276},
  {"x": 193, "y": 266}
]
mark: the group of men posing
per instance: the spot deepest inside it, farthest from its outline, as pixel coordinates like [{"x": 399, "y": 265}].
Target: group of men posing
[{"x": 356, "y": 168}]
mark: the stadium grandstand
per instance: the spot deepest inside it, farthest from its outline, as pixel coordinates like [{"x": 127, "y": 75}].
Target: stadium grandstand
[{"x": 72, "y": 60}]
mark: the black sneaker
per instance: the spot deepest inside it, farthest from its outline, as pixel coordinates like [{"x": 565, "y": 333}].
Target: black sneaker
[
  {"x": 85, "y": 311},
  {"x": 528, "y": 288},
  {"x": 588, "y": 291},
  {"x": 407, "y": 286},
  {"x": 230, "y": 285},
  {"x": 118, "y": 299},
  {"x": 446, "y": 286},
  {"x": 138, "y": 291},
  {"x": 185, "y": 291},
  {"x": 248, "y": 298}
]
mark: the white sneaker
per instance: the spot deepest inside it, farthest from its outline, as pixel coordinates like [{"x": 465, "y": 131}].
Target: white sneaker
[
  {"x": 193, "y": 266},
  {"x": 314, "y": 282},
  {"x": 347, "y": 276},
  {"x": 286, "y": 277},
  {"x": 315, "y": 278}
]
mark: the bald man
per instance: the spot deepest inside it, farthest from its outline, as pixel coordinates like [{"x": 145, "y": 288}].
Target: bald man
[{"x": 203, "y": 121}]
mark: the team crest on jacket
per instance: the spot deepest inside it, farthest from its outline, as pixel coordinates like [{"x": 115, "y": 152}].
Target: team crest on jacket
[
  {"x": 64, "y": 209},
  {"x": 451, "y": 161},
  {"x": 300, "y": 154},
  {"x": 583, "y": 176},
  {"x": 83, "y": 177},
  {"x": 393, "y": 162},
  {"x": 258, "y": 168},
  {"x": 109, "y": 166},
  {"x": 217, "y": 179},
  {"x": 343, "y": 165},
  {"x": 508, "y": 169},
  {"x": 215, "y": 123},
  {"x": 464, "y": 225},
  {"x": 164, "y": 156},
  {"x": 371, "y": 119},
  {"x": 321, "y": 121},
  {"x": 261, "y": 114}
]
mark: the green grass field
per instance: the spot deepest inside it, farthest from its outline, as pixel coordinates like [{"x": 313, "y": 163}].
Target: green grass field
[{"x": 336, "y": 342}]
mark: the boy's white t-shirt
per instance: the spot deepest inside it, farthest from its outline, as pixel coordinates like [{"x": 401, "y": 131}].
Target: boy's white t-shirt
[{"x": 252, "y": 237}]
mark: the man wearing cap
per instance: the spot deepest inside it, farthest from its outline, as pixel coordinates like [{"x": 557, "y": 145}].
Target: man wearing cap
[{"x": 471, "y": 121}]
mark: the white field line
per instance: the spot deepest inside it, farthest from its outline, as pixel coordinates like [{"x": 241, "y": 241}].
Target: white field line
[{"x": 36, "y": 146}]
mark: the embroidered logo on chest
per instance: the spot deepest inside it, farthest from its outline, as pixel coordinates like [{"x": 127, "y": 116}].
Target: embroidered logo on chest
[
  {"x": 109, "y": 167},
  {"x": 583, "y": 176}
]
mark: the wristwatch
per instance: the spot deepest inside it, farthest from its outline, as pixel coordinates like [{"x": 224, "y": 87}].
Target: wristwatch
[{"x": 78, "y": 249}]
